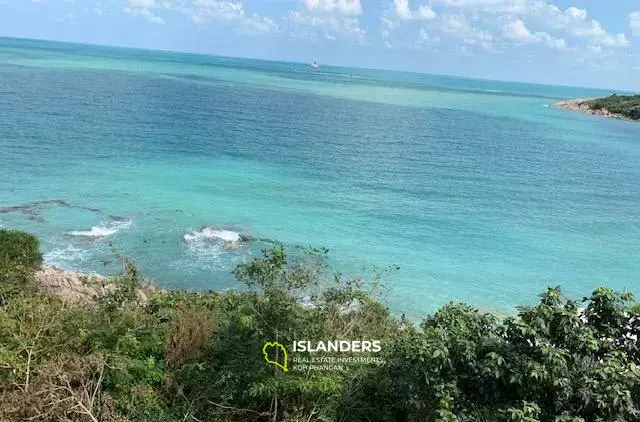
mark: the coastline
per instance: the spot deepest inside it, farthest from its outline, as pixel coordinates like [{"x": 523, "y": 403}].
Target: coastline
[
  {"x": 582, "y": 105},
  {"x": 71, "y": 286}
]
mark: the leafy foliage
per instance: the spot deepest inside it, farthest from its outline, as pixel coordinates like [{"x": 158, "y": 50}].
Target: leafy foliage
[
  {"x": 184, "y": 356},
  {"x": 625, "y": 105},
  {"x": 19, "y": 249},
  {"x": 19, "y": 258}
]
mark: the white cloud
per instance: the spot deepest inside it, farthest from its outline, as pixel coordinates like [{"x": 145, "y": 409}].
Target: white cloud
[
  {"x": 205, "y": 12},
  {"x": 143, "y": 8},
  {"x": 145, "y": 12},
  {"x": 458, "y": 26},
  {"x": 544, "y": 14},
  {"x": 209, "y": 11},
  {"x": 634, "y": 23},
  {"x": 550, "y": 41},
  {"x": 516, "y": 30},
  {"x": 425, "y": 38},
  {"x": 326, "y": 26},
  {"x": 597, "y": 35},
  {"x": 330, "y": 20},
  {"x": 404, "y": 12},
  {"x": 261, "y": 24},
  {"x": 388, "y": 23},
  {"x": 141, "y": 3},
  {"x": 345, "y": 7},
  {"x": 594, "y": 49},
  {"x": 230, "y": 12},
  {"x": 491, "y": 25},
  {"x": 471, "y": 3},
  {"x": 425, "y": 12},
  {"x": 402, "y": 9},
  {"x": 576, "y": 13},
  {"x": 574, "y": 22},
  {"x": 455, "y": 24},
  {"x": 546, "y": 23}
]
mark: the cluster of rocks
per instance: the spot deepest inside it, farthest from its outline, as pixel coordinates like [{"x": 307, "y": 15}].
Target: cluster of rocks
[
  {"x": 72, "y": 287},
  {"x": 582, "y": 105}
]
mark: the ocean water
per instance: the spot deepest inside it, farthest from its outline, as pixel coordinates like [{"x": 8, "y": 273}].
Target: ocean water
[{"x": 478, "y": 190}]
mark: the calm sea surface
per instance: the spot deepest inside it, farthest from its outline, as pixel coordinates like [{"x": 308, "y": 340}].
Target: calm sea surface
[{"x": 478, "y": 190}]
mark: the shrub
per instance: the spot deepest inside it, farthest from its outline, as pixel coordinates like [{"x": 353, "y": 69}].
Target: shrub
[
  {"x": 20, "y": 257},
  {"x": 19, "y": 249},
  {"x": 198, "y": 356},
  {"x": 187, "y": 335}
]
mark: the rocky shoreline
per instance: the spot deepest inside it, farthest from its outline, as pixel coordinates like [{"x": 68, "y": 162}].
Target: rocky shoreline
[
  {"x": 583, "y": 105},
  {"x": 72, "y": 287}
]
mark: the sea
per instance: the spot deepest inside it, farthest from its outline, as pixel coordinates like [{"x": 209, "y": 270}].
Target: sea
[{"x": 453, "y": 189}]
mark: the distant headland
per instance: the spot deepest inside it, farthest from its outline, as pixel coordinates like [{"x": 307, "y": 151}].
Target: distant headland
[{"x": 616, "y": 106}]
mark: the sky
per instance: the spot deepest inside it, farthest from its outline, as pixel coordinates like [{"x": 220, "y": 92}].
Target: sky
[{"x": 591, "y": 43}]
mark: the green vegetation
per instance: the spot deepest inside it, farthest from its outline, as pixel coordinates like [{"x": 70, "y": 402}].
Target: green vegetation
[
  {"x": 624, "y": 105},
  {"x": 19, "y": 257},
  {"x": 198, "y": 356}
]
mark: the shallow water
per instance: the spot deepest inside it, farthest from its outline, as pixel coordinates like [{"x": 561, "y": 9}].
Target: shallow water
[{"x": 478, "y": 190}]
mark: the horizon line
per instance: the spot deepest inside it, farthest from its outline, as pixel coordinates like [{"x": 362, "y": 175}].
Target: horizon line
[{"x": 203, "y": 54}]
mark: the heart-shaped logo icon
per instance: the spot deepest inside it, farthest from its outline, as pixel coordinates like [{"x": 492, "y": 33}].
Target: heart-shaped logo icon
[{"x": 277, "y": 353}]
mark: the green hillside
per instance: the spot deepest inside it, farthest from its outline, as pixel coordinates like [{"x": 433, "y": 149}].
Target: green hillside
[{"x": 625, "y": 105}]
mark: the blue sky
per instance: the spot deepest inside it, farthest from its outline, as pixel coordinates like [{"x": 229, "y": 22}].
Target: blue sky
[{"x": 579, "y": 42}]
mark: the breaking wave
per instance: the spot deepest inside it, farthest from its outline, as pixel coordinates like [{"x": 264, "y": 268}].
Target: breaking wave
[
  {"x": 211, "y": 233},
  {"x": 103, "y": 229},
  {"x": 66, "y": 258},
  {"x": 214, "y": 249}
]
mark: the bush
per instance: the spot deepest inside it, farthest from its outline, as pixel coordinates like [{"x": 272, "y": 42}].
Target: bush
[
  {"x": 20, "y": 257},
  {"x": 198, "y": 356},
  {"x": 19, "y": 249}
]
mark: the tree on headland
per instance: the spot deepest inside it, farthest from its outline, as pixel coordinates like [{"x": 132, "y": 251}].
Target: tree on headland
[
  {"x": 623, "y": 105},
  {"x": 198, "y": 356}
]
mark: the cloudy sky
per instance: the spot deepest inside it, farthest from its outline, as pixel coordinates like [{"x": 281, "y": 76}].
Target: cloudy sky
[{"x": 577, "y": 42}]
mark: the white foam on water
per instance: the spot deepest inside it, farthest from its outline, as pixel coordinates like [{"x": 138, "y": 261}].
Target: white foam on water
[
  {"x": 211, "y": 233},
  {"x": 203, "y": 253},
  {"x": 213, "y": 249},
  {"x": 103, "y": 229},
  {"x": 65, "y": 258}
]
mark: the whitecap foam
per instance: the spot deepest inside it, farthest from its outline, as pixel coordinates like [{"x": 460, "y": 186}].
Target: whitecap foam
[
  {"x": 211, "y": 233},
  {"x": 203, "y": 254},
  {"x": 103, "y": 229},
  {"x": 211, "y": 251},
  {"x": 65, "y": 258}
]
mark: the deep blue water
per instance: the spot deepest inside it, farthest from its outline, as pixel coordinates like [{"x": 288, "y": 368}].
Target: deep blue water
[{"x": 478, "y": 190}]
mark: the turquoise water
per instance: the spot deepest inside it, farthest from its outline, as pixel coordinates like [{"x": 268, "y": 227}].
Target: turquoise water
[{"x": 478, "y": 190}]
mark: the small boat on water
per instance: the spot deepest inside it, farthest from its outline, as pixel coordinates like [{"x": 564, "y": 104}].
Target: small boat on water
[{"x": 315, "y": 65}]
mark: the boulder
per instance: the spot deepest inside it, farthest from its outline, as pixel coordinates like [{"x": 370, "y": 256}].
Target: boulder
[{"x": 71, "y": 286}]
